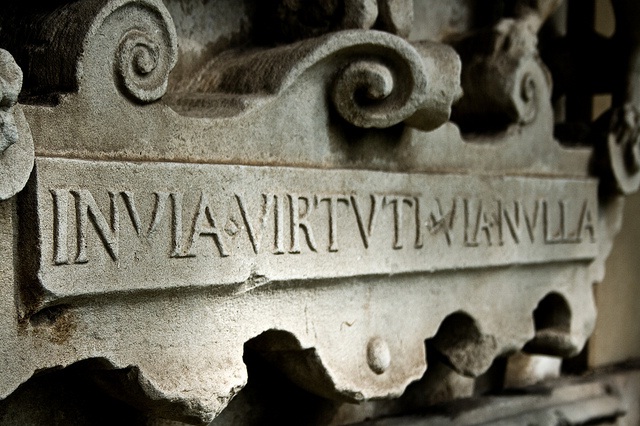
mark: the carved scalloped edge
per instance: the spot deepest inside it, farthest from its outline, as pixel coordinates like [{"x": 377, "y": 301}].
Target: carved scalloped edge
[
  {"x": 311, "y": 342},
  {"x": 560, "y": 325}
]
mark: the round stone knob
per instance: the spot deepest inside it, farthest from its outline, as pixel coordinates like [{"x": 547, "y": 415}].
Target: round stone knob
[{"x": 378, "y": 355}]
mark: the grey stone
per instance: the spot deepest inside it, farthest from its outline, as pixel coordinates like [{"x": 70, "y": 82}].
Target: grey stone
[
  {"x": 16, "y": 145},
  {"x": 308, "y": 202},
  {"x": 599, "y": 400},
  {"x": 233, "y": 225},
  {"x": 396, "y": 16}
]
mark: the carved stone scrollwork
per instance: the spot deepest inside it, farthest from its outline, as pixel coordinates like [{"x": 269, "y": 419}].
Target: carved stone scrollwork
[
  {"x": 145, "y": 58},
  {"x": 501, "y": 73},
  {"x": 147, "y": 48},
  {"x": 171, "y": 241},
  {"x": 618, "y": 149},
  {"x": 373, "y": 82},
  {"x": 370, "y": 94},
  {"x": 141, "y": 47},
  {"x": 618, "y": 133},
  {"x": 624, "y": 148},
  {"x": 380, "y": 81},
  {"x": 16, "y": 146}
]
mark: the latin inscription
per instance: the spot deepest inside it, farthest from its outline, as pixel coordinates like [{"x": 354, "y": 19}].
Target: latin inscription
[
  {"x": 463, "y": 223},
  {"x": 163, "y": 225}
]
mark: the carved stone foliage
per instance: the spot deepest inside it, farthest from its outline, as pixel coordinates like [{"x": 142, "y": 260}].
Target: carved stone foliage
[
  {"x": 16, "y": 147},
  {"x": 10, "y": 83},
  {"x": 309, "y": 201}
]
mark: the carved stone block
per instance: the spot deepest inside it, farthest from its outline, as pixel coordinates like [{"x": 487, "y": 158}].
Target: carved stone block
[{"x": 311, "y": 202}]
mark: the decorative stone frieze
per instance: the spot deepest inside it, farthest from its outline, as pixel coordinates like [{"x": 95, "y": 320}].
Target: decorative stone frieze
[{"x": 311, "y": 202}]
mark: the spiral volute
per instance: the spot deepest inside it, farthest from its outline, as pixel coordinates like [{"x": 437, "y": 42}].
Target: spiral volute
[{"x": 143, "y": 63}]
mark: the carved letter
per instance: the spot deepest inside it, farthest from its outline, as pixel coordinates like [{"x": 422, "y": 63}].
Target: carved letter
[
  {"x": 560, "y": 237},
  {"x": 532, "y": 222},
  {"x": 467, "y": 241},
  {"x": 158, "y": 212},
  {"x": 205, "y": 224},
  {"x": 586, "y": 223},
  {"x": 255, "y": 234},
  {"x": 60, "y": 214},
  {"x": 397, "y": 202},
  {"x": 333, "y": 201},
  {"x": 279, "y": 225},
  {"x": 86, "y": 208},
  {"x": 513, "y": 221},
  {"x": 176, "y": 223},
  {"x": 419, "y": 243},
  {"x": 482, "y": 224},
  {"x": 300, "y": 221},
  {"x": 365, "y": 232}
]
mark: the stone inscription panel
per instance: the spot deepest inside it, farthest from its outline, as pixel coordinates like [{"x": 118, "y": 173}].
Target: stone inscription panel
[{"x": 109, "y": 227}]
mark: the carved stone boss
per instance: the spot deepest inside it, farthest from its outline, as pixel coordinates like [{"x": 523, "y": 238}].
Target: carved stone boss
[{"x": 311, "y": 198}]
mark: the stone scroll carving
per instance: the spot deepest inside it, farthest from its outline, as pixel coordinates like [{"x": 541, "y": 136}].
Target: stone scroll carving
[
  {"x": 144, "y": 59},
  {"x": 310, "y": 202},
  {"x": 141, "y": 48},
  {"x": 502, "y": 77},
  {"x": 620, "y": 149},
  {"x": 379, "y": 80}
]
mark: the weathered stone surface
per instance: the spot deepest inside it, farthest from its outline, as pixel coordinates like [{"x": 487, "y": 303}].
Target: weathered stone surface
[
  {"x": 16, "y": 145},
  {"x": 10, "y": 83},
  {"x": 499, "y": 82},
  {"x": 308, "y": 202},
  {"x": 600, "y": 400},
  {"x": 396, "y": 16},
  {"x": 249, "y": 226}
]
